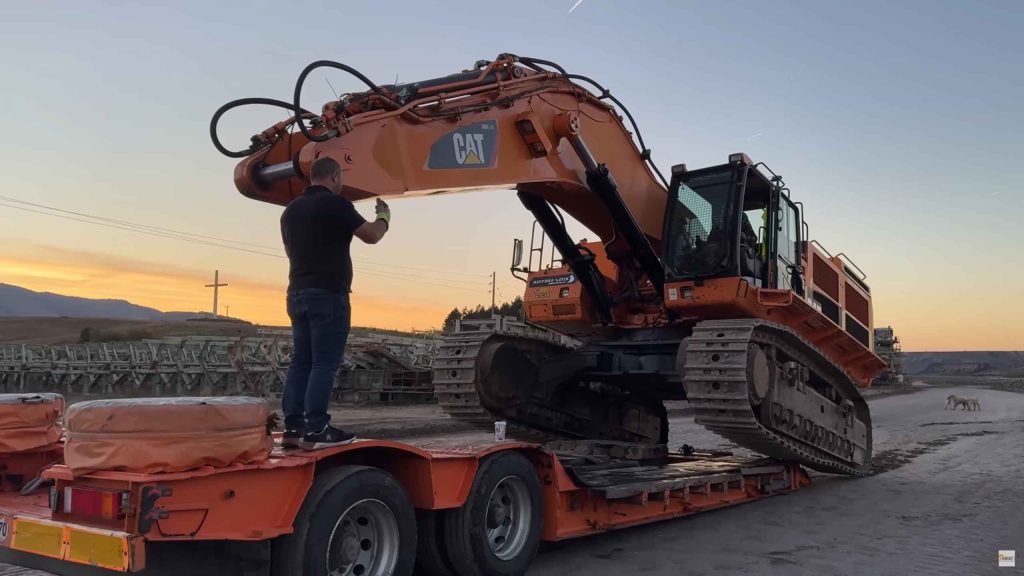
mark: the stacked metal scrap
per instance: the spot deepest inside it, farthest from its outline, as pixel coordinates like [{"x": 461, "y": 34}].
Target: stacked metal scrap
[{"x": 381, "y": 368}]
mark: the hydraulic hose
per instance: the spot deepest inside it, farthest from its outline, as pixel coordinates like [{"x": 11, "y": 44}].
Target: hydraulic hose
[
  {"x": 246, "y": 102},
  {"x": 302, "y": 80},
  {"x": 605, "y": 93},
  {"x": 645, "y": 152}
]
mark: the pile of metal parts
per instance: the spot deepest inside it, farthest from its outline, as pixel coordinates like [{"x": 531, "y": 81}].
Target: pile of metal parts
[{"x": 376, "y": 368}]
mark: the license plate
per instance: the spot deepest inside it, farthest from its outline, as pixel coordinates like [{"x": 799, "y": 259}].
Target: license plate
[{"x": 110, "y": 550}]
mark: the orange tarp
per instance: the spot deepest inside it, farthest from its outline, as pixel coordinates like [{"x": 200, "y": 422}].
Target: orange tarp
[
  {"x": 29, "y": 421},
  {"x": 165, "y": 434}
]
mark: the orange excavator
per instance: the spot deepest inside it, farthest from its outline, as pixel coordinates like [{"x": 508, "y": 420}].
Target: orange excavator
[{"x": 705, "y": 287}]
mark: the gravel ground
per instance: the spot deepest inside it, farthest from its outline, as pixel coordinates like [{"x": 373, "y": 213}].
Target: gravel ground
[{"x": 947, "y": 497}]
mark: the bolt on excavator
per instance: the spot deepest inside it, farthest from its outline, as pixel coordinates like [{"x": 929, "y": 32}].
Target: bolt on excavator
[{"x": 704, "y": 287}]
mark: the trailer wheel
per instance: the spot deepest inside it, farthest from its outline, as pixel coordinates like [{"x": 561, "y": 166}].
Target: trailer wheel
[
  {"x": 431, "y": 555},
  {"x": 497, "y": 530},
  {"x": 355, "y": 521}
]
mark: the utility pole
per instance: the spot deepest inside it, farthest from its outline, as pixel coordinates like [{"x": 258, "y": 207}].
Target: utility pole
[
  {"x": 227, "y": 311},
  {"x": 494, "y": 276},
  {"x": 216, "y": 288}
]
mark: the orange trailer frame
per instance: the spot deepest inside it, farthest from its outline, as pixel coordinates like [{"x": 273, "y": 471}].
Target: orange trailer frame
[{"x": 260, "y": 501}]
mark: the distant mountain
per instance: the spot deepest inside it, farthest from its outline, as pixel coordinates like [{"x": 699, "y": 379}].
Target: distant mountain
[
  {"x": 18, "y": 301},
  {"x": 1004, "y": 364}
]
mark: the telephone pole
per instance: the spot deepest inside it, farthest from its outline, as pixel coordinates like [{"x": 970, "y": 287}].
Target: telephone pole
[
  {"x": 216, "y": 288},
  {"x": 494, "y": 276}
]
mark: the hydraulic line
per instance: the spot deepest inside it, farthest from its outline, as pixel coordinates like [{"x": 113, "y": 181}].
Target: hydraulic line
[
  {"x": 645, "y": 152},
  {"x": 246, "y": 102},
  {"x": 302, "y": 80}
]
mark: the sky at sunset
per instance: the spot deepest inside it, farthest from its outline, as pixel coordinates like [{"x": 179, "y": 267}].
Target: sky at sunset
[{"x": 899, "y": 125}]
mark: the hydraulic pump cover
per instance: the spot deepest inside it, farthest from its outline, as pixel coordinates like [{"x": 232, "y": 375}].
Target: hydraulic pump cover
[
  {"x": 150, "y": 435},
  {"x": 29, "y": 421}
]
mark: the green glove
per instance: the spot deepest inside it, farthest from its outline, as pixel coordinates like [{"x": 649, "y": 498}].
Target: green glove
[{"x": 383, "y": 212}]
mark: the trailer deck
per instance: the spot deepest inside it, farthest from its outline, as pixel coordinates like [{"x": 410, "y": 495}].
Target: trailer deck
[{"x": 107, "y": 519}]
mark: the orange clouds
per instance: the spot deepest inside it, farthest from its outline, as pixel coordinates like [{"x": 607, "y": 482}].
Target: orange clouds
[
  {"x": 92, "y": 275},
  {"x": 969, "y": 314}
]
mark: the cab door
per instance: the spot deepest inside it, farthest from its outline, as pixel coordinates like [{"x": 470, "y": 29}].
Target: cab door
[{"x": 788, "y": 271}]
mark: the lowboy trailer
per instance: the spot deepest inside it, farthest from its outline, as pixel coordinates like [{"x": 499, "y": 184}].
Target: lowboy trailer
[{"x": 369, "y": 508}]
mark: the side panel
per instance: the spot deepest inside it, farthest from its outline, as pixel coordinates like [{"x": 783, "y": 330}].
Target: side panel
[{"x": 247, "y": 504}]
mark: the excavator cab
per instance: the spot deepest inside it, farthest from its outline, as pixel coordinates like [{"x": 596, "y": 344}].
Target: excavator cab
[{"x": 733, "y": 220}]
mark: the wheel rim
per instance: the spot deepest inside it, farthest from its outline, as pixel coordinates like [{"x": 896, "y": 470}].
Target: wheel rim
[
  {"x": 364, "y": 541},
  {"x": 508, "y": 517}
]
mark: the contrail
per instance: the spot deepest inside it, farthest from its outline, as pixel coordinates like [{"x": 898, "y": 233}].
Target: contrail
[
  {"x": 574, "y": 6},
  {"x": 752, "y": 136}
]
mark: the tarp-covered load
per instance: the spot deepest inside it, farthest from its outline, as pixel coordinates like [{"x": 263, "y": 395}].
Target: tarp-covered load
[
  {"x": 165, "y": 434},
  {"x": 29, "y": 421}
]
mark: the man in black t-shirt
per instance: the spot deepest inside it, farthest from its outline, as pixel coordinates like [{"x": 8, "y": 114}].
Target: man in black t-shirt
[{"x": 317, "y": 229}]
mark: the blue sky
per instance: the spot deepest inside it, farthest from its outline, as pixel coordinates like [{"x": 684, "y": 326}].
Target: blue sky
[{"x": 897, "y": 124}]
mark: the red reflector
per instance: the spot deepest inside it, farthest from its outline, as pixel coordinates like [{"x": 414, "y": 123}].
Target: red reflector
[{"x": 95, "y": 503}]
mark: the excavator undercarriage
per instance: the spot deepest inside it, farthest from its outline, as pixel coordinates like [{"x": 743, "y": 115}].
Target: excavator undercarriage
[{"x": 755, "y": 383}]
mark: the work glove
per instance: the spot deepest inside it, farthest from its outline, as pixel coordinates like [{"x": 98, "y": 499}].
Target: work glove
[{"x": 383, "y": 212}]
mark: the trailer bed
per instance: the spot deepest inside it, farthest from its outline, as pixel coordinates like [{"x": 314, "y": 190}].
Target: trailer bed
[{"x": 582, "y": 491}]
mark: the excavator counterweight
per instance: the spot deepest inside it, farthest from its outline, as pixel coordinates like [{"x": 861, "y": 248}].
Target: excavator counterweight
[{"x": 705, "y": 287}]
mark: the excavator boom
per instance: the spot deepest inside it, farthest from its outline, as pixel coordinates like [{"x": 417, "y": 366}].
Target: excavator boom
[{"x": 501, "y": 126}]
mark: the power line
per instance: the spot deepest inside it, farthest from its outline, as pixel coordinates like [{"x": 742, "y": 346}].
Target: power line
[
  {"x": 201, "y": 239},
  {"x": 419, "y": 279},
  {"x": 157, "y": 234},
  {"x": 134, "y": 224},
  {"x": 397, "y": 276},
  {"x": 434, "y": 270}
]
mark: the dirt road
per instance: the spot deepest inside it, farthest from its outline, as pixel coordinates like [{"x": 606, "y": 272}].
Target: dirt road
[
  {"x": 948, "y": 498},
  {"x": 949, "y": 501}
]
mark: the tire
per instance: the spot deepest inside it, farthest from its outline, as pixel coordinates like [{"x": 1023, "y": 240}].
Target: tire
[
  {"x": 431, "y": 554},
  {"x": 352, "y": 512},
  {"x": 508, "y": 477}
]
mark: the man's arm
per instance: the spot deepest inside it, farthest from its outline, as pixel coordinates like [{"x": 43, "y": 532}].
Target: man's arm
[{"x": 372, "y": 232}]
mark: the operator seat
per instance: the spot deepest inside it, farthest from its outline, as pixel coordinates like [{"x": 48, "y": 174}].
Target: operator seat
[{"x": 750, "y": 262}]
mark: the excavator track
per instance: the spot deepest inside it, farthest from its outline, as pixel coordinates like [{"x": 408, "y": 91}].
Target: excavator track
[
  {"x": 505, "y": 374},
  {"x": 455, "y": 381},
  {"x": 740, "y": 396}
]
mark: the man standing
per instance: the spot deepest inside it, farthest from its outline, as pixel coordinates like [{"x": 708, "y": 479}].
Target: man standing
[{"x": 317, "y": 230}]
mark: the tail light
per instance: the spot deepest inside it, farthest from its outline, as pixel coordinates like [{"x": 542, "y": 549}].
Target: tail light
[{"x": 105, "y": 504}]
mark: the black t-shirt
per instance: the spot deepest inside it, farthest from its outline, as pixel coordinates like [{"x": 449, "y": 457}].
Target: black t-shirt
[{"x": 317, "y": 231}]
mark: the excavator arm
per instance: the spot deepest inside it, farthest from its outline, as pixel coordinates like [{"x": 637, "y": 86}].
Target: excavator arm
[{"x": 510, "y": 123}]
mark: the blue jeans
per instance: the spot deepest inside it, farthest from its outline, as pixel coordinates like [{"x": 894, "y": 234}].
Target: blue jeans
[{"x": 320, "y": 325}]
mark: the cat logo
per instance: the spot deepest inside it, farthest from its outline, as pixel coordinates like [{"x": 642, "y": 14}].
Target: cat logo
[
  {"x": 468, "y": 148},
  {"x": 473, "y": 146}
]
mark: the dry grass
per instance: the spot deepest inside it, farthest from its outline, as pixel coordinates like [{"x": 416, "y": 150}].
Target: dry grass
[{"x": 70, "y": 330}]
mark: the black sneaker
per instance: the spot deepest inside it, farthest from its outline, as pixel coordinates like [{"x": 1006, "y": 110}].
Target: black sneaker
[
  {"x": 291, "y": 439},
  {"x": 326, "y": 438}
]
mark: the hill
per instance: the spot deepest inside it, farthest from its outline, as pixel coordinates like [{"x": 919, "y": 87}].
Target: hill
[
  {"x": 974, "y": 364},
  {"x": 35, "y": 330},
  {"x": 18, "y": 301}
]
